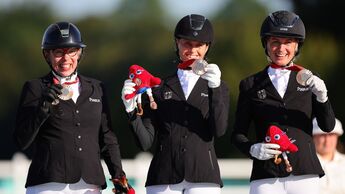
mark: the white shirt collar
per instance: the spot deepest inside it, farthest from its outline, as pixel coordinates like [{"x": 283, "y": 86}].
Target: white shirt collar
[{"x": 62, "y": 80}]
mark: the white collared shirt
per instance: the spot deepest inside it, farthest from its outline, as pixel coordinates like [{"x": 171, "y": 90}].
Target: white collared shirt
[
  {"x": 188, "y": 80},
  {"x": 280, "y": 79}
]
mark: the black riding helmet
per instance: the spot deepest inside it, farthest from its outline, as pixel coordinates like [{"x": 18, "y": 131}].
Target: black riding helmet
[
  {"x": 283, "y": 24},
  {"x": 61, "y": 35},
  {"x": 194, "y": 27}
]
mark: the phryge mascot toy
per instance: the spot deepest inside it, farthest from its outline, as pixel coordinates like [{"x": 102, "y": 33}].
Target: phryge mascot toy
[
  {"x": 144, "y": 81},
  {"x": 276, "y": 135}
]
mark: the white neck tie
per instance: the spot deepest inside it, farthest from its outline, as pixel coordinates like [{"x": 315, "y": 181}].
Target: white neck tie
[
  {"x": 282, "y": 85},
  {"x": 188, "y": 80},
  {"x": 280, "y": 79}
]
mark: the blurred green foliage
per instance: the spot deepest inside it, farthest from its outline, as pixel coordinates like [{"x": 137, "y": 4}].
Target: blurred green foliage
[{"x": 140, "y": 32}]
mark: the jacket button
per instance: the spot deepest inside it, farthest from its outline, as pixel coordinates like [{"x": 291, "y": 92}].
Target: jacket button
[
  {"x": 79, "y": 136},
  {"x": 80, "y": 149},
  {"x": 77, "y": 124},
  {"x": 77, "y": 111},
  {"x": 184, "y": 150}
]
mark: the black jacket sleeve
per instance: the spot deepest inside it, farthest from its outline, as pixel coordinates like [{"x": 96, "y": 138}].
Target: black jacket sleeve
[
  {"x": 243, "y": 119},
  {"x": 30, "y": 116},
  {"x": 219, "y": 109},
  {"x": 142, "y": 127}
]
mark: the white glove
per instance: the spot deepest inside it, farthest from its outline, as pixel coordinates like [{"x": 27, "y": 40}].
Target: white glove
[
  {"x": 212, "y": 75},
  {"x": 128, "y": 88},
  {"x": 264, "y": 151},
  {"x": 318, "y": 87}
]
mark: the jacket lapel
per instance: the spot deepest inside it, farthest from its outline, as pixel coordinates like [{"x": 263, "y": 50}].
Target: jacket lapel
[
  {"x": 197, "y": 90},
  {"x": 174, "y": 84},
  {"x": 86, "y": 89},
  {"x": 264, "y": 82}
]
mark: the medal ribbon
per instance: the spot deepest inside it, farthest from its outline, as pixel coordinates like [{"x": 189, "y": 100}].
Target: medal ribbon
[
  {"x": 293, "y": 67},
  {"x": 185, "y": 64}
]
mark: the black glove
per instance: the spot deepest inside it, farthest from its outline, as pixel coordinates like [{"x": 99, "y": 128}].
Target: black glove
[
  {"x": 50, "y": 94},
  {"x": 122, "y": 186}
]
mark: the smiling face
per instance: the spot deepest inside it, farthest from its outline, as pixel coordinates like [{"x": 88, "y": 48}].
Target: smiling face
[
  {"x": 281, "y": 50},
  {"x": 189, "y": 49},
  {"x": 64, "y": 61}
]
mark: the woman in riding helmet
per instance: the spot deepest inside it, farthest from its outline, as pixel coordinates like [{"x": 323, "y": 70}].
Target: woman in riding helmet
[
  {"x": 192, "y": 111},
  {"x": 274, "y": 97},
  {"x": 64, "y": 117}
]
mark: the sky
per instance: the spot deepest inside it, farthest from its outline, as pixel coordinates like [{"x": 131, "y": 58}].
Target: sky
[{"x": 77, "y": 9}]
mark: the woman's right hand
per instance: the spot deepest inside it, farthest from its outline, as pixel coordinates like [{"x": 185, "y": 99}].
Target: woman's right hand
[
  {"x": 264, "y": 151},
  {"x": 128, "y": 88},
  {"x": 50, "y": 94}
]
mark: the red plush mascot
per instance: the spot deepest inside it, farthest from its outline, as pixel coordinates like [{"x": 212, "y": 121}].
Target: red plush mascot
[
  {"x": 121, "y": 186},
  {"x": 276, "y": 135},
  {"x": 144, "y": 81}
]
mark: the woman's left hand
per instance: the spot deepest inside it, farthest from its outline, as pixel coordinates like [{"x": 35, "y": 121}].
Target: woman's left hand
[
  {"x": 128, "y": 88},
  {"x": 212, "y": 75},
  {"x": 318, "y": 87}
]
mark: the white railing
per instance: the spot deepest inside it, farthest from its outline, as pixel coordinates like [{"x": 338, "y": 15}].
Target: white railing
[{"x": 232, "y": 170}]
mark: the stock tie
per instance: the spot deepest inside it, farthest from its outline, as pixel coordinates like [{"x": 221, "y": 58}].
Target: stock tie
[
  {"x": 186, "y": 64},
  {"x": 293, "y": 67}
]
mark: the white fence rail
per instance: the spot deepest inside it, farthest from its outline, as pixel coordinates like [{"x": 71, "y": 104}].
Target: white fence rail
[{"x": 235, "y": 174}]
